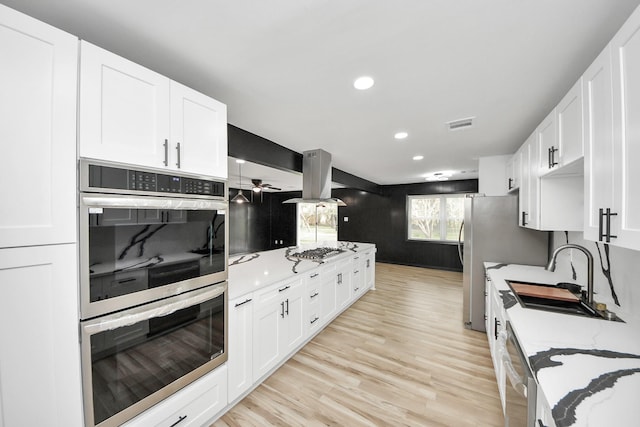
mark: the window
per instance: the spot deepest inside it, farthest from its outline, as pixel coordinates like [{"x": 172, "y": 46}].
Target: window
[
  {"x": 317, "y": 223},
  {"x": 435, "y": 217}
]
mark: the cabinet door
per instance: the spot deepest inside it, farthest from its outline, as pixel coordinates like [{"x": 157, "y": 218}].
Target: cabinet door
[
  {"x": 38, "y": 82},
  {"x": 240, "y": 361},
  {"x": 626, "y": 125},
  {"x": 266, "y": 337},
  {"x": 570, "y": 127},
  {"x": 547, "y": 152},
  {"x": 198, "y": 133},
  {"x": 328, "y": 300},
  {"x": 124, "y": 109},
  {"x": 40, "y": 354},
  {"x": 293, "y": 323},
  {"x": 370, "y": 271},
  {"x": 598, "y": 142},
  {"x": 343, "y": 286}
]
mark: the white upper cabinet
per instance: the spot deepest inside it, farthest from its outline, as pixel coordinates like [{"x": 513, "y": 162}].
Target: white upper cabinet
[
  {"x": 124, "y": 114},
  {"x": 38, "y": 82},
  {"x": 570, "y": 127},
  {"x": 547, "y": 136},
  {"x": 514, "y": 171},
  {"x": 598, "y": 141},
  {"x": 133, "y": 115},
  {"x": 529, "y": 187},
  {"x": 198, "y": 132},
  {"x": 626, "y": 134}
]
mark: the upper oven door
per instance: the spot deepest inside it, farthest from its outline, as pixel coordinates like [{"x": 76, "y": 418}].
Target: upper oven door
[{"x": 137, "y": 249}]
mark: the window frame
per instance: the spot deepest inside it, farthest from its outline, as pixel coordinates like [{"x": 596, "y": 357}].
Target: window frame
[{"x": 443, "y": 216}]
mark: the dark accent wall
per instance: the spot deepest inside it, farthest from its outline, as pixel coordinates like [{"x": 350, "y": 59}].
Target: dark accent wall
[
  {"x": 373, "y": 218},
  {"x": 382, "y": 219},
  {"x": 262, "y": 225}
]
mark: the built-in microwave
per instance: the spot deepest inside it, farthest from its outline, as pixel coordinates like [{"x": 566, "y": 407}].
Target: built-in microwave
[{"x": 146, "y": 235}]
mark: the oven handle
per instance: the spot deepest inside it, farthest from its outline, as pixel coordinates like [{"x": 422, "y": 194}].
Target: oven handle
[
  {"x": 514, "y": 378},
  {"x": 148, "y": 202},
  {"x": 152, "y": 310}
]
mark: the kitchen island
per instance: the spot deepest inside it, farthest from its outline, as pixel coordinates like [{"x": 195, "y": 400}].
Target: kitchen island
[
  {"x": 280, "y": 299},
  {"x": 587, "y": 369}
]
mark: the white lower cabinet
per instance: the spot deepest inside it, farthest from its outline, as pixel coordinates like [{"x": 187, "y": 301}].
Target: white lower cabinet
[
  {"x": 195, "y": 405},
  {"x": 357, "y": 276},
  {"x": 496, "y": 334},
  {"x": 343, "y": 284},
  {"x": 240, "y": 343},
  {"x": 277, "y": 324},
  {"x": 369, "y": 270},
  {"x": 39, "y": 353}
]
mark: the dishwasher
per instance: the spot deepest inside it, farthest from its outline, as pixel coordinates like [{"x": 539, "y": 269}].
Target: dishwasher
[{"x": 520, "y": 392}]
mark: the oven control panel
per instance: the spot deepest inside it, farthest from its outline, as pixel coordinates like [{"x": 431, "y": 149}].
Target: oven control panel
[{"x": 109, "y": 178}]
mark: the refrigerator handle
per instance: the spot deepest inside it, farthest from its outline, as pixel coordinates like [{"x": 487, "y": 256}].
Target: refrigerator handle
[{"x": 460, "y": 243}]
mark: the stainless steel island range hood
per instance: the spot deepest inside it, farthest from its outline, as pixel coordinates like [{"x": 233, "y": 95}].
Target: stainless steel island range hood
[{"x": 316, "y": 179}]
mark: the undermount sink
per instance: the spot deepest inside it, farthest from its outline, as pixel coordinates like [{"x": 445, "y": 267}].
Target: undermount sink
[{"x": 562, "y": 298}]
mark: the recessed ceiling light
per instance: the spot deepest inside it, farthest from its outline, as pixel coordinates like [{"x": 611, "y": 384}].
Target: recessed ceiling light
[
  {"x": 401, "y": 135},
  {"x": 363, "y": 83},
  {"x": 418, "y": 157},
  {"x": 439, "y": 176}
]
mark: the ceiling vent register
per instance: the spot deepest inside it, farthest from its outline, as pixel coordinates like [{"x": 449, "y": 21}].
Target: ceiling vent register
[{"x": 460, "y": 124}]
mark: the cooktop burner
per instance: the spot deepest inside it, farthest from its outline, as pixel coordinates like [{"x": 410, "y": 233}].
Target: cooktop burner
[{"x": 317, "y": 253}]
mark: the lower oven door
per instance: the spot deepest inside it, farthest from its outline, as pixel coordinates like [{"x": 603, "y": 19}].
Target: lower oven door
[
  {"x": 520, "y": 391},
  {"x": 133, "y": 359}
]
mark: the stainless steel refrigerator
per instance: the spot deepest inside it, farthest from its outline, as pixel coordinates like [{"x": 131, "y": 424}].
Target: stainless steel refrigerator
[{"x": 492, "y": 233}]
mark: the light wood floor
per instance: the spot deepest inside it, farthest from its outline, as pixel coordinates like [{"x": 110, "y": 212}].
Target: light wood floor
[{"x": 400, "y": 356}]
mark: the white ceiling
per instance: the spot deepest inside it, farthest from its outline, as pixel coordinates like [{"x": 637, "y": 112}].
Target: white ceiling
[{"x": 285, "y": 68}]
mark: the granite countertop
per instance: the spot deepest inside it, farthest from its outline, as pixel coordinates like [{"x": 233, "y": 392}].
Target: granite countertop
[
  {"x": 250, "y": 272},
  {"x": 587, "y": 369}
]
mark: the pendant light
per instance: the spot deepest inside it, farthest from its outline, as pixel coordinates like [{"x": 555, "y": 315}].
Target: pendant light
[{"x": 240, "y": 198}]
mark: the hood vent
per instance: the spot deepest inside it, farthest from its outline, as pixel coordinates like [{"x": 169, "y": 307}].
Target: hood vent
[
  {"x": 316, "y": 179},
  {"x": 460, "y": 124}
]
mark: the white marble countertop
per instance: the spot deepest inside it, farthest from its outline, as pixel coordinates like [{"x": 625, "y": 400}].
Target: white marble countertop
[
  {"x": 588, "y": 369},
  {"x": 250, "y": 272}
]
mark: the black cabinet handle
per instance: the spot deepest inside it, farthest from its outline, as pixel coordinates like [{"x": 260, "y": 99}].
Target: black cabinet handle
[
  {"x": 315, "y": 320},
  {"x": 180, "y": 419},
  {"x": 314, "y": 295},
  {"x": 287, "y": 309},
  {"x": 609, "y": 214},
  {"x": 510, "y": 184},
  {"x": 282, "y": 308},
  {"x": 604, "y": 229},
  {"x": 552, "y": 157},
  {"x": 284, "y": 289},
  {"x": 600, "y": 227},
  {"x": 524, "y": 216},
  {"x": 496, "y": 323},
  {"x": 313, "y": 276},
  {"x": 339, "y": 278},
  {"x": 243, "y": 302}
]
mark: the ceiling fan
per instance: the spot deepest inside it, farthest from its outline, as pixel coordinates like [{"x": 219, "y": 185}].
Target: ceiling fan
[{"x": 258, "y": 186}]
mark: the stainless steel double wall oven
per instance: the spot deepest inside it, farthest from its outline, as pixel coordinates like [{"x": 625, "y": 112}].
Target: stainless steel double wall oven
[{"x": 153, "y": 285}]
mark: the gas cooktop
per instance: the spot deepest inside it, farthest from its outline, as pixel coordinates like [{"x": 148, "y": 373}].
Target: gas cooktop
[{"x": 317, "y": 253}]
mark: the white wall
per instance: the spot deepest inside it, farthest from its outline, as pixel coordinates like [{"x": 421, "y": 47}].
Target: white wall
[
  {"x": 492, "y": 175},
  {"x": 625, "y": 272}
]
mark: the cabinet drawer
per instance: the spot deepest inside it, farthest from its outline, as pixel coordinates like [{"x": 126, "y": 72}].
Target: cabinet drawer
[
  {"x": 278, "y": 291},
  {"x": 193, "y": 406}
]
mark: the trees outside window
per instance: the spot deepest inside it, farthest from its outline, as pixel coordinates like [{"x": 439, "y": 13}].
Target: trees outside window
[
  {"x": 435, "y": 217},
  {"x": 317, "y": 223}
]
